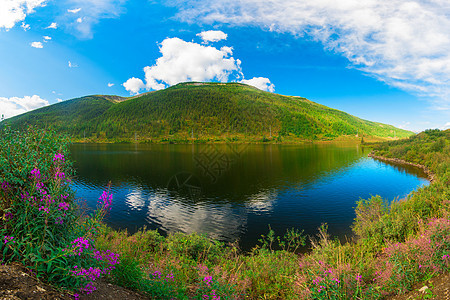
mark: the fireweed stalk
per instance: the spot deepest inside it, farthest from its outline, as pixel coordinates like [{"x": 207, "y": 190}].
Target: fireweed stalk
[{"x": 44, "y": 231}]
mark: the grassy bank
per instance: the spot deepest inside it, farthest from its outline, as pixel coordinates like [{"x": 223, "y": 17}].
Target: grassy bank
[
  {"x": 230, "y": 139},
  {"x": 396, "y": 244}
]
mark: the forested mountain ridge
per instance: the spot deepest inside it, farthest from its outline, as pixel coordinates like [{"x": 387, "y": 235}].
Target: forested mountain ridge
[{"x": 198, "y": 111}]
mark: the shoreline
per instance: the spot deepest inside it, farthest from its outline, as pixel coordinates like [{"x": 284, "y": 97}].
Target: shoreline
[
  {"x": 431, "y": 176},
  {"x": 233, "y": 140}
]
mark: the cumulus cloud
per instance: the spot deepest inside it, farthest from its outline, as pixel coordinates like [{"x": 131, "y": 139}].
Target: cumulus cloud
[
  {"x": 403, "y": 43},
  {"x": 79, "y": 20},
  {"x": 54, "y": 25},
  {"x": 47, "y": 38},
  {"x": 74, "y": 11},
  {"x": 25, "y": 26},
  {"x": 261, "y": 83},
  {"x": 10, "y": 107},
  {"x": 188, "y": 61},
  {"x": 110, "y": 84},
  {"x": 446, "y": 126},
  {"x": 37, "y": 45},
  {"x": 134, "y": 85},
  {"x": 13, "y": 11},
  {"x": 212, "y": 36}
]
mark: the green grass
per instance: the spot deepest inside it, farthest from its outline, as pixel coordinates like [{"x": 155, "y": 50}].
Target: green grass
[{"x": 192, "y": 112}]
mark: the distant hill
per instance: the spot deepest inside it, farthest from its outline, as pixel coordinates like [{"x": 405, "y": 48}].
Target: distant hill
[{"x": 199, "y": 111}]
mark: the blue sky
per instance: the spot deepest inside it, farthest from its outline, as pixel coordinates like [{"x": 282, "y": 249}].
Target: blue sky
[{"x": 382, "y": 61}]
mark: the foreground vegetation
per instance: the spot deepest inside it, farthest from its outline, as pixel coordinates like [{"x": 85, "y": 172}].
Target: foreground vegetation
[
  {"x": 396, "y": 245},
  {"x": 41, "y": 225},
  {"x": 201, "y": 112}
]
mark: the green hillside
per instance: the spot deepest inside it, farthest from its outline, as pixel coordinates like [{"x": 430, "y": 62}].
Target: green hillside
[{"x": 200, "y": 111}]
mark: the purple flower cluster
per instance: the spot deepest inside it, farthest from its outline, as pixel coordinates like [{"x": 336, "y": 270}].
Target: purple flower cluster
[
  {"x": 36, "y": 174},
  {"x": 212, "y": 296},
  {"x": 110, "y": 257},
  {"x": 158, "y": 275},
  {"x": 7, "y": 239},
  {"x": 59, "y": 157},
  {"x": 106, "y": 200},
  {"x": 78, "y": 246},
  {"x": 8, "y": 216},
  {"x": 44, "y": 209},
  {"x": 88, "y": 288},
  {"x": 6, "y": 186},
  {"x": 59, "y": 175},
  {"x": 43, "y": 200},
  {"x": 63, "y": 206},
  {"x": 91, "y": 273},
  {"x": 40, "y": 187},
  {"x": 207, "y": 280}
]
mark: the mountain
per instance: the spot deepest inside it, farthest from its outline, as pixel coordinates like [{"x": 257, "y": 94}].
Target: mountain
[{"x": 201, "y": 111}]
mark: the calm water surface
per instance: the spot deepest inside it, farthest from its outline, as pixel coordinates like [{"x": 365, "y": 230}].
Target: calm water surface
[{"x": 233, "y": 192}]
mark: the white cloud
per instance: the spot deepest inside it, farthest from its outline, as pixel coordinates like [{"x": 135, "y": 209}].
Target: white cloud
[
  {"x": 72, "y": 65},
  {"x": 59, "y": 99},
  {"x": 37, "y": 45},
  {"x": 74, "y": 11},
  {"x": 187, "y": 61},
  {"x": 110, "y": 84},
  {"x": 403, "y": 43},
  {"x": 446, "y": 126},
  {"x": 54, "y": 25},
  {"x": 261, "y": 83},
  {"x": 13, "y": 11},
  {"x": 47, "y": 38},
  {"x": 212, "y": 36},
  {"x": 134, "y": 85},
  {"x": 25, "y": 26},
  {"x": 10, "y": 107},
  {"x": 93, "y": 12}
]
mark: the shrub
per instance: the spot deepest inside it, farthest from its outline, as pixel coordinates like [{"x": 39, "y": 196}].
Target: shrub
[{"x": 41, "y": 226}]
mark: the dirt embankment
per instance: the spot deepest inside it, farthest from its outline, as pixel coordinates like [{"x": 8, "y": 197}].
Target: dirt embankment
[
  {"x": 427, "y": 171},
  {"x": 17, "y": 283},
  {"x": 437, "y": 288}
]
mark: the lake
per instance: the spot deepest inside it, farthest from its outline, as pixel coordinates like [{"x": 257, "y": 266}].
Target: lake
[{"x": 234, "y": 191}]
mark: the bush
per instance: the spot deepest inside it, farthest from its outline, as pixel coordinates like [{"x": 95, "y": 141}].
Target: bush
[{"x": 41, "y": 226}]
